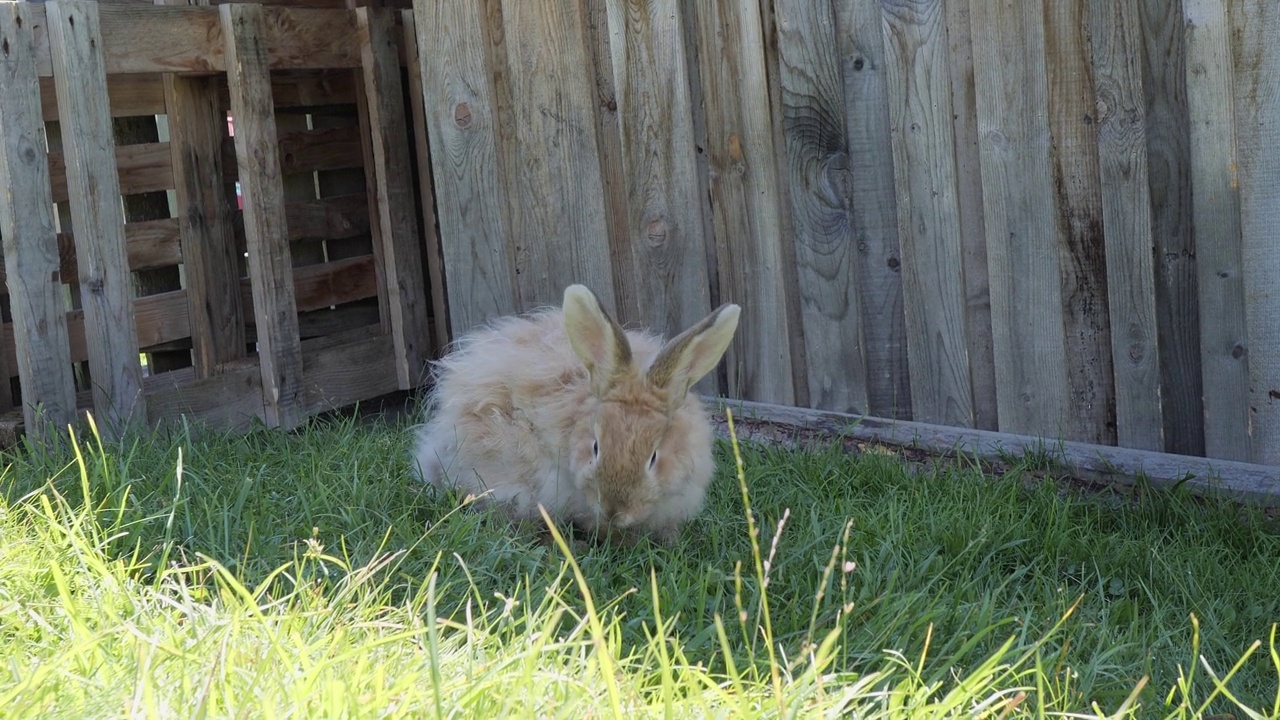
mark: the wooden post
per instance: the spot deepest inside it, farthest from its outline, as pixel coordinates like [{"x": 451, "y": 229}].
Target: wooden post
[
  {"x": 266, "y": 232},
  {"x": 30, "y": 243},
  {"x": 196, "y": 127},
  {"x": 402, "y": 261},
  {"x": 426, "y": 201},
  {"x": 93, "y": 185}
]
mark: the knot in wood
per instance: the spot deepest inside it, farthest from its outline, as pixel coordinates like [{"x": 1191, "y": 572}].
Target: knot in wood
[
  {"x": 656, "y": 233},
  {"x": 462, "y": 115},
  {"x": 1238, "y": 351},
  {"x": 95, "y": 286}
]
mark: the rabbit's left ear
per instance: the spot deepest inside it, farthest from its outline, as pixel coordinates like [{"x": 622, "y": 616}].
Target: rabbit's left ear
[
  {"x": 597, "y": 339},
  {"x": 694, "y": 353}
]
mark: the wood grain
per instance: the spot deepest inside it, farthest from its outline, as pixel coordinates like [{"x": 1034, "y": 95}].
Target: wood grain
[
  {"x": 1126, "y": 212},
  {"x": 196, "y": 128},
  {"x": 426, "y": 188},
  {"x": 558, "y": 225},
  {"x": 460, "y": 115},
  {"x": 401, "y": 257},
  {"x": 142, "y": 168},
  {"x": 266, "y": 233},
  {"x": 39, "y": 340},
  {"x": 1256, "y": 86},
  {"x": 874, "y": 214},
  {"x": 1164, "y": 85},
  {"x": 818, "y": 175},
  {"x": 1077, "y": 192},
  {"x": 76, "y": 43},
  {"x": 1215, "y": 210},
  {"x": 745, "y": 199},
  {"x": 973, "y": 233},
  {"x": 148, "y": 244},
  {"x": 1020, "y": 217},
  {"x": 928, "y": 211},
  {"x": 599, "y": 42},
  {"x": 664, "y": 214}
]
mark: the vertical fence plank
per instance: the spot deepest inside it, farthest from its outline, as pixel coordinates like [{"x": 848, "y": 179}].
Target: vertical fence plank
[
  {"x": 1126, "y": 210},
  {"x": 874, "y": 214},
  {"x": 928, "y": 211},
  {"x": 31, "y": 259},
  {"x": 461, "y": 114},
  {"x": 389, "y": 136},
  {"x": 426, "y": 191},
  {"x": 1019, "y": 216},
  {"x": 270, "y": 265},
  {"x": 1169, "y": 176},
  {"x": 745, "y": 198},
  {"x": 1224, "y": 357},
  {"x": 75, "y": 40},
  {"x": 609, "y": 133},
  {"x": 973, "y": 234},
  {"x": 659, "y": 173},
  {"x": 197, "y": 125},
  {"x": 818, "y": 176},
  {"x": 559, "y": 221},
  {"x": 1077, "y": 189},
  {"x": 1256, "y": 25}
]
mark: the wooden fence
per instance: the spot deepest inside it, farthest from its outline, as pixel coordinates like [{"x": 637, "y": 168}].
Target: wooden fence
[
  {"x": 1057, "y": 219},
  {"x": 306, "y": 292}
]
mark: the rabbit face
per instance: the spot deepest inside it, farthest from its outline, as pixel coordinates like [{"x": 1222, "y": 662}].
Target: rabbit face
[{"x": 619, "y": 458}]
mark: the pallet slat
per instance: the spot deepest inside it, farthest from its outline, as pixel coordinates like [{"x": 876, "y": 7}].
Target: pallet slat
[
  {"x": 39, "y": 338},
  {"x": 266, "y": 233},
  {"x": 76, "y": 44}
]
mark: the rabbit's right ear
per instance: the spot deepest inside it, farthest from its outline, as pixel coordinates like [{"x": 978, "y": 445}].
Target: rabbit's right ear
[
  {"x": 694, "y": 353},
  {"x": 596, "y": 337}
]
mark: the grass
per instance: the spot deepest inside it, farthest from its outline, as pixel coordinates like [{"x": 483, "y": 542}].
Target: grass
[{"x": 303, "y": 575}]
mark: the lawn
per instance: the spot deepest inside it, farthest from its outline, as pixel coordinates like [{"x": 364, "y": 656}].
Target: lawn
[{"x": 303, "y": 575}]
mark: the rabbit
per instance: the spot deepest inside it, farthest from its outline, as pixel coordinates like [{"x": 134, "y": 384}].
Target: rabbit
[{"x": 562, "y": 408}]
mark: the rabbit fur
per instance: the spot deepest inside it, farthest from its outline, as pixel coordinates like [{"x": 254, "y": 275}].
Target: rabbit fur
[{"x": 562, "y": 408}]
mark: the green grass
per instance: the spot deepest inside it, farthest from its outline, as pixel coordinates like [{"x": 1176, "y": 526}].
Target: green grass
[{"x": 304, "y": 575}]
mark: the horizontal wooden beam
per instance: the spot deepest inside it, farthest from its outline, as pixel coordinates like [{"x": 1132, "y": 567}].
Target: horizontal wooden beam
[
  {"x": 1246, "y": 482},
  {"x": 189, "y": 39}
]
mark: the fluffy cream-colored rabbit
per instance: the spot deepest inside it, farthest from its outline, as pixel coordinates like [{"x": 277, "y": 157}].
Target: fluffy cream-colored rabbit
[{"x": 563, "y": 408}]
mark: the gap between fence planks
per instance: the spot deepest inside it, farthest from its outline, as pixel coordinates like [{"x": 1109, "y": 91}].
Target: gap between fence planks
[
  {"x": 1229, "y": 479},
  {"x": 257, "y": 155},
  {"x": 31, "y": 258},
  {"x": 76, "y": 44}
]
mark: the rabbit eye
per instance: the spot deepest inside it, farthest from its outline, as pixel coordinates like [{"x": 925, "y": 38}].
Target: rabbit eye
[
  {"x": 595, "y": 449},
  {"x": 653, "y": 459}
]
